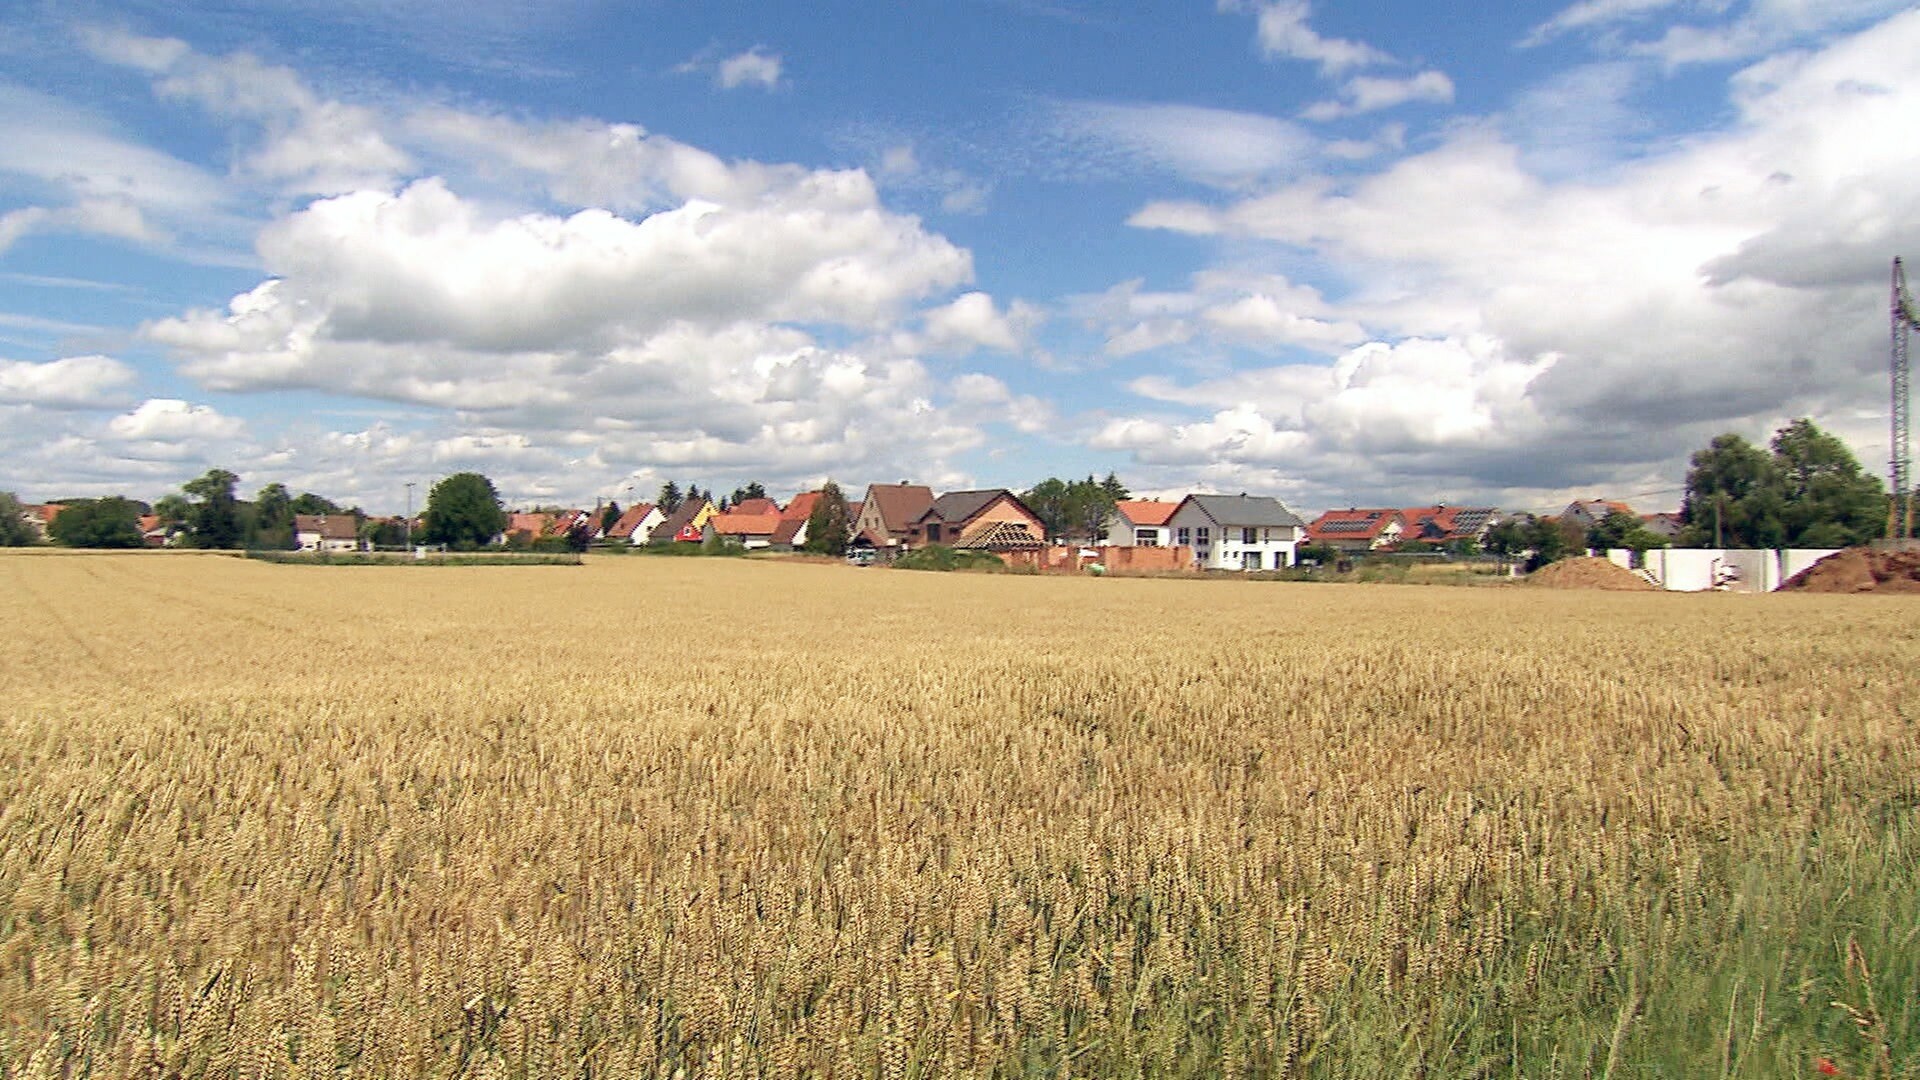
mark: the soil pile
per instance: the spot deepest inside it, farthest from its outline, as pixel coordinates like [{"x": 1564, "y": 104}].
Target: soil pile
[
  {"x": 1589, "y": 573},
  {"x": 1860, "y": 569}
]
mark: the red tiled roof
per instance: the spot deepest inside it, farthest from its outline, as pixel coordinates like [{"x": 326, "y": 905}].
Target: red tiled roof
[
  {"x": 789, "y": 528},
  {"x": 1352, "y": 524},
  {"x": 567, "y": 519},
  {"x": 732, "y": 524},
  {"x": 756, "y": 506},
  {"x": 1146, "y": 511},
  {"x": 801, "y": 508},
  {"x": 534, "y": 525}
]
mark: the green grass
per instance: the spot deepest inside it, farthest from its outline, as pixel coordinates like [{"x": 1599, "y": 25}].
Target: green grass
[{"x": 1733, "y": 974}]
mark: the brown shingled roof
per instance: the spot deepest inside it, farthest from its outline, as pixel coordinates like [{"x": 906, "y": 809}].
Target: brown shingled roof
[
  {"x": 328, "y": 526},
  {"x": 900, "y": 505}
]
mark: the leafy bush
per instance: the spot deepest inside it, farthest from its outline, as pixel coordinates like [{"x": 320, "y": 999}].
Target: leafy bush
[{"x": 941, "y": 557}]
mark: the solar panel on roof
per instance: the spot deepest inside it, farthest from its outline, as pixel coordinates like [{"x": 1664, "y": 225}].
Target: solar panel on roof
[{"x": 1346, "y": 526}]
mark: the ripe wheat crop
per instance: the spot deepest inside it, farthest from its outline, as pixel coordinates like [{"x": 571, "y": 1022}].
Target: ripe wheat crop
[{"x": 733, "y": 818}]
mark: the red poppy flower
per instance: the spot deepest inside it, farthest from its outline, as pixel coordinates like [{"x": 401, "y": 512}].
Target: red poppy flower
[{"x": 1826, "y": 1067}]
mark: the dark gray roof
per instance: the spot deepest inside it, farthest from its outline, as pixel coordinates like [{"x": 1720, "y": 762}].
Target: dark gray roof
[
  {"x": 679, "y": 519},
  {"x": 962, "y": 505},
  {"x": 1246, "y": 510}
]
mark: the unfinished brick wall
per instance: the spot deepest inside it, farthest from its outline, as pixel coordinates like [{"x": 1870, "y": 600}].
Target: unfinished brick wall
[{"x": 1114, "y": 560}]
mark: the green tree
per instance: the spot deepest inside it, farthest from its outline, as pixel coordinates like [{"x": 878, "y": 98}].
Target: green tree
[
  {"x": 1507, "y": 537},
  {"x": 1829, "y": 500},
  {"x": 580, "y": 536},
  {"x": 1809, "y": 492},
  {"x": 14, "y": 530},
  {"x": 1611, "y": 531},
  {"x": 384, "y": 532},
  {"x": 1078, "y": 509},
  {"x": 1115, "y": 490},
  {"x": 1734, "y": 496},
  {"x": 669, "y": 498},
  {"x": 1550, "y": 539},
  {"x": 98, "y": 523},
  {"x": 464, "y": 512},
  {"x": 215, "y": 519},
  {"x": 1050, "y": 500},
  {"x": 828, "y": 527},
  {"x": 309, "y": 503},
  {"x": 609, "y": 517},
  {"x": 173, "y": 510},
  {"x": 272, "y": 518}
]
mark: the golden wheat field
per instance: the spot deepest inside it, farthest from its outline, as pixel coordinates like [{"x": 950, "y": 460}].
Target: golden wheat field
[{"x": 721, "y": 817}]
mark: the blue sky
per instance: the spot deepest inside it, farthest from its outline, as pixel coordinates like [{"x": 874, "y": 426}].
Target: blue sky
[{"x": 1342, "y": 254}]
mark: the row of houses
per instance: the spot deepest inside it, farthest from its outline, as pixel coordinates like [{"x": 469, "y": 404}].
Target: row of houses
[
  {"x": 1239, "y": 532},
  {"x": 1359, "y": 530}
]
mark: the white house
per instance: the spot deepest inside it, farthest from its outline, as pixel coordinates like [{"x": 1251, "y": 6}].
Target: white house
[
  {"x": 1237, "y": 532},
  {"x": 1140, "y": 523},
  {"x": 326, "y": 532},
  {"x": 637, "y": 523}
]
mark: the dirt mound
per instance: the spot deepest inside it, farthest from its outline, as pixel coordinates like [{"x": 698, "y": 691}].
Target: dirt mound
[
  {"x": 1589, "y": 573},
  {"x": 1860, "y": 569}
]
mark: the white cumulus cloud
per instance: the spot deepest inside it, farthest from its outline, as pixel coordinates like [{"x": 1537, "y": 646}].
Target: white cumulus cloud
[
  {"x": 173, "y": 420},
  {"x": 755, "y": 67},
  {"x": 77, "y": 382}
]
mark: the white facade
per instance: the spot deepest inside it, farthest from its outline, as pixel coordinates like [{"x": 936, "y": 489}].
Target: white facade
[
  {"x": 645, "y": 528},
  {"x": 1124, "y": 533},
  {"x": 313, "y": 541},
  {"x": 1230, "y": 545}
]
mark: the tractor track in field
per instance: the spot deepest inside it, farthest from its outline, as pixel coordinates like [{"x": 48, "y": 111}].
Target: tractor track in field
[{"x": 57, "y": 616}]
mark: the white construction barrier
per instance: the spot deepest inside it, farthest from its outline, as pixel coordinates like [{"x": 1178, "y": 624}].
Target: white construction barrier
[{"x": 1749, "y": 570}]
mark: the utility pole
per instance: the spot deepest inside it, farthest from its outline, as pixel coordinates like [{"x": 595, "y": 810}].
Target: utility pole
[{"x": 410, "y": 515}]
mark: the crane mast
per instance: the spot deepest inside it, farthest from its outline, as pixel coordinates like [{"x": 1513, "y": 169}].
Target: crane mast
[{"x": 1904, "y": 317}]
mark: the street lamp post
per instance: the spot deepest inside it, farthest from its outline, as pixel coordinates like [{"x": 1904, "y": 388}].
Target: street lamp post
[{"x": 409, "y": 524}]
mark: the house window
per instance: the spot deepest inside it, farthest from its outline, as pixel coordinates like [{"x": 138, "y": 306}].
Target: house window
[
  {"x": 933, "y": 533},
  {"x": 1202, "y": 536},
  {"x": 1250, "y": 560},
  {"x": 1146, "y": 537},
  {"x": 1249, "y": 535},
  {"x": 1184, "y": 537}
]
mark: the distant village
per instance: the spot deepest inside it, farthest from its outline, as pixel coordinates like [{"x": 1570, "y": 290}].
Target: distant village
[{"x": 1199, "y": 531}]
